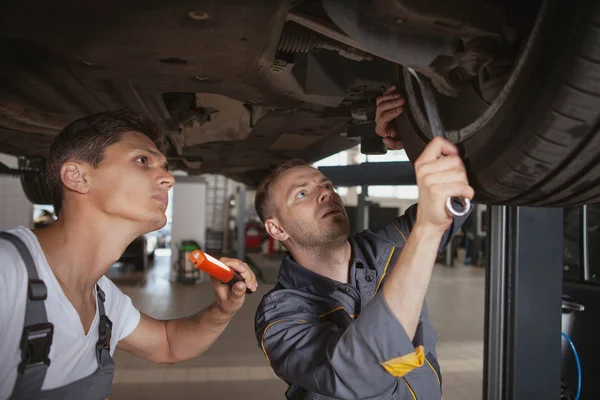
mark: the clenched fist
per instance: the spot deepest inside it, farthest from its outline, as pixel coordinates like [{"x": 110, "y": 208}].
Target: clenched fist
[
  {"x": 230, "y": 299},
  {"x": 439, "y": 178}
]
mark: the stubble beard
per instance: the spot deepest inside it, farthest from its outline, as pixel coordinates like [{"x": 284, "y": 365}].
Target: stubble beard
[{"x": 321, "y": 241}]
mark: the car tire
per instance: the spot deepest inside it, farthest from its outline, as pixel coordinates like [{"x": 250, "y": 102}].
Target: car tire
[{"x": 540, "y": 147}]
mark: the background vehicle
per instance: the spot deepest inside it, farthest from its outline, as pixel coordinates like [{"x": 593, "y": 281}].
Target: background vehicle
[
  {"x": 239, "y": 86},
  {"x": 141, "y": 251}
]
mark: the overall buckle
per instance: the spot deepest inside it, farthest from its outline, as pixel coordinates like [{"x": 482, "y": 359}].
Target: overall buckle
[
  {"x": 104, "y": 333},
  {"x": 35, "y": 345}
]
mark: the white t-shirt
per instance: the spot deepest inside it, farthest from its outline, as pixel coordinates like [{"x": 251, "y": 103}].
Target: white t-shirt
[{"x": 72, "y": 354}]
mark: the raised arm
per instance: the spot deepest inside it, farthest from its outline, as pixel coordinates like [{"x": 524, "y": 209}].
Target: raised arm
[{"x": 438, "y": 178}]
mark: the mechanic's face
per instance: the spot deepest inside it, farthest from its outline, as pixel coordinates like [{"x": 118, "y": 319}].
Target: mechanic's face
[
  {"x": 132, "y": 182},
  {"x": 308, "y": 209}
]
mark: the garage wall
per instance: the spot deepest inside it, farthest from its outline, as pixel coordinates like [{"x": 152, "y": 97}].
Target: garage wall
[
  {"x": 15, "y": 209},
  {"x": 189, "y": 213}
]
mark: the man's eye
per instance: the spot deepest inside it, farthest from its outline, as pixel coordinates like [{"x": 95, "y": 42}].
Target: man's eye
[
  {"x": 301, "y": 194},
  {"x": 142, "y": 159}
]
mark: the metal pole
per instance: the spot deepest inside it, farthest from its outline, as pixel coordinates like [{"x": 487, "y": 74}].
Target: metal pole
[
  {"x": 495, "y": 305},
  {"x": 225, "y": 250},
  {"x": 366, "y": 208},
  {"x": 241, "y": 223},
  {"x": 523, "y": 304},
  {"x": 584, "y": 240},
  {"x": 534, "y": 312},
  {"x": 449, "y": 250},
  {"x": 360, "y": 209}
]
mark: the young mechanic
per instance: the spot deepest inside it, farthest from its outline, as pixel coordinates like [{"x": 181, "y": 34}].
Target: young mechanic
[
  {"x": 61, "y": 318},
  {"x": 347, "y": 318}
]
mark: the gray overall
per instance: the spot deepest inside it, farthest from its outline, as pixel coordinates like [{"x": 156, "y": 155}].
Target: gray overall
[{"x": 37, "y": 339}]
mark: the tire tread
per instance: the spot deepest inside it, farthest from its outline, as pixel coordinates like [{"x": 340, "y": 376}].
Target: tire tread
[{"x": 562, "y": 183}]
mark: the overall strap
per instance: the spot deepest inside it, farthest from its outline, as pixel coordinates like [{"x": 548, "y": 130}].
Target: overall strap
[
  {"x": 104, "y": 331},
  {"x": 36, "y": 339}
]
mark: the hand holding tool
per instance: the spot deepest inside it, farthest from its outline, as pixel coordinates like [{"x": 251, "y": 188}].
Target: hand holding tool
[
  {"x": 437, "y": 129},
  {"x": 216, "y": 268}
]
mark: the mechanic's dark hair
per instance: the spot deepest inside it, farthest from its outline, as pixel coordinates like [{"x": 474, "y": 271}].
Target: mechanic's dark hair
[
  {"x": 263, "y": 202},
  {"x": 86, "y": 140}
]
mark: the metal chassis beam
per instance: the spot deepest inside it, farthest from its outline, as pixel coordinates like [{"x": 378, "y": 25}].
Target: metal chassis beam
[
  {"x": 522, "y": 357},
  {"x": 371, "y": 174}
]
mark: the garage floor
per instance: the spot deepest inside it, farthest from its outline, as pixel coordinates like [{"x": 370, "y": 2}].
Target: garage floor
[{"x": 236, "y": 368}]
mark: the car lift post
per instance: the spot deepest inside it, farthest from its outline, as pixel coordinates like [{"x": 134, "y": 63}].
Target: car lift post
[
  {"x": 362, "y": 210},
  {"x": 241, "y": 224},
  {"x": 522, "y": 357}
]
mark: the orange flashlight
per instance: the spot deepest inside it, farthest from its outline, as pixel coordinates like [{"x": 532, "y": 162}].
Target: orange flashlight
[{"x": 215, "y": 268}]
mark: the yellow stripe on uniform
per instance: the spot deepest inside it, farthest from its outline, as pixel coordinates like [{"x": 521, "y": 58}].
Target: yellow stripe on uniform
[
  {"x": 401, "y": 234},
  {"x": 434, "y": 371},
  {"x": 337, "y": 309},
  {"x": 332, "y": 311},
  {"x": 262, "y": 342},
  {"x": 401, "y": 366},
  {"x": 384, "y": 271},
  {"x": 411, "y": 389}
]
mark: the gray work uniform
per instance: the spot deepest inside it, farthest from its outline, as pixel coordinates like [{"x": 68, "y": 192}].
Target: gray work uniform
[
  {"x": 37, "y": 339},
  {"x": 331, "y": 340}
]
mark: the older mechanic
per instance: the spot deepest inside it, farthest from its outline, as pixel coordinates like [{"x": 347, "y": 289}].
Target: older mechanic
[{"x": 347, "y": 318}]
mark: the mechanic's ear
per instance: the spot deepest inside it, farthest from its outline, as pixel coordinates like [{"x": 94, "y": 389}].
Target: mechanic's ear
[
  {"x": 74, "y": 176},
  {"x": 275, "y": 230}
]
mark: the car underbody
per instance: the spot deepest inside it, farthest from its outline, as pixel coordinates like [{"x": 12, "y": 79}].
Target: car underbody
[{"x": 240, "y": 86}]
